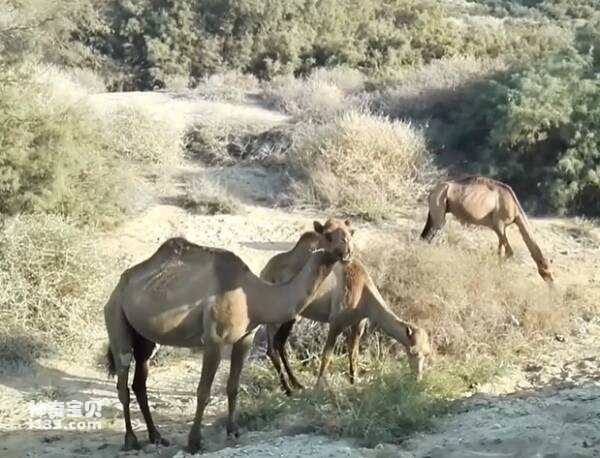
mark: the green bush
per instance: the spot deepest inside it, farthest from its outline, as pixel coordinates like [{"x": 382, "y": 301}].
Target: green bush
[
  {"x": 54, "y": 154},
  {"x": 161, "y": 41},
  {"x": 536, "y": 127}
]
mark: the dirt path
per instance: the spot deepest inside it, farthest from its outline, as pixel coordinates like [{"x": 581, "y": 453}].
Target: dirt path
[{"x": 553, "y": 413}]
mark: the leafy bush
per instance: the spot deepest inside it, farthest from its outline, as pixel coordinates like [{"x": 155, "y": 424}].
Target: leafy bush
[
  {"x": 53, "y": 279},
  {"x": 53, "y": 155},
  {"x": 360, "y": 164},
  {"x": 535, "y": 128}
]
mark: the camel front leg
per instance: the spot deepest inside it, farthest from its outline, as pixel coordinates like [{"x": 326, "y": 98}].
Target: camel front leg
[
  {"x": 334, "y": 332},
  {"x": 210, "y": 364},
  {"x": 238, "y": 355},
  {"x": 507, "y": 247},
  {"x": 343, "y": 319},
  {"x": 353, "y": 347}
]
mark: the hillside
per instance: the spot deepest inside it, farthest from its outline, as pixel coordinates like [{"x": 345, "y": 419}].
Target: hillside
[{"x": 522, "y": 413}]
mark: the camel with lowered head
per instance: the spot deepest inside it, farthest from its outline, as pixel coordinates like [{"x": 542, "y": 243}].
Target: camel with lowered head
[
  {"x": 187, "y": 295},
  {"x": 485, "y": 202},
  {"x": 347, "y": 298}
]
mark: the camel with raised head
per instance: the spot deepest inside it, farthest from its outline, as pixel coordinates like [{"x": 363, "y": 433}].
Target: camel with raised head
[
  {"x": 186, "y": 295},
  {"x": 485, "y": 202},
  {"x": 347, "y": 298}
]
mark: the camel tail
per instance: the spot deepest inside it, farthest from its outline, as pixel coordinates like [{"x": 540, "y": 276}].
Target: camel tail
[
  {"x": 110, "y": 363},
  {"x": 438, "y": 207},
  {"x": 427, "y": 230}
]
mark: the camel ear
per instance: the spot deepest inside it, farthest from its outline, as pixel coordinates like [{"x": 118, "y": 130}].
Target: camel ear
[{"x": 318, "y": 227}]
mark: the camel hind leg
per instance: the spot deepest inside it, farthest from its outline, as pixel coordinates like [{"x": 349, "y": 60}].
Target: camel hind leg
[
  {"x": 120, "y": 338},
  {"x": 142, "y": 352},
  {"x": 280, "y": 339},
  {"x": 275, "y": 357}
]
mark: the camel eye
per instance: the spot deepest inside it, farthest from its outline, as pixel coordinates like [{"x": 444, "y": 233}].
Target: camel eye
[{"x": 328, "y": 236}]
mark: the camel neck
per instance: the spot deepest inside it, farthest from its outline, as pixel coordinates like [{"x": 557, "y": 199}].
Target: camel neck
[
  {"x": 278, "y": 303},
  {"x": 381, "y": 315}
]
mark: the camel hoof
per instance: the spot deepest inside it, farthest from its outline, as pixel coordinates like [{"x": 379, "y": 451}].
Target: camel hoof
[
  {"x": 194, "y": 445},
  {"x": 131, "y": 442},
  {"x": 233, "y": 431},
  {"x": 160, "y": 441},
  {"x": 299, "y": 387}
]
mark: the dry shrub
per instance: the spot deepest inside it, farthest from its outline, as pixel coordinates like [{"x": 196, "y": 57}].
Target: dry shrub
[
  {"x": 146, "y": 138},
  {"x": 206, "y": 197},
  {"x": 224, "y": 143},
  {"x": 232, "y": 86},
  {"x": 424, "y": 89},
  {"x": 326, "y": 93},
  {"x": 361, "y": 164},
  {"x": 471, "y": 305},
  {"x": 53, "y": 281},
  {"x": 69, "y": 82}
]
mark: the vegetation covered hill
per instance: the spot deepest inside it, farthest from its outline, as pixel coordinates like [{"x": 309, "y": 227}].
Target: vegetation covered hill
[{"x": 271, "y": 107}]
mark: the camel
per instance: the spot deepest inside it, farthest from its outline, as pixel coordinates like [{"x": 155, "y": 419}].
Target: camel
[
  {"x": 485, "y": 202},
  {"x": 186, "y": 295},
  {"x": 347, "y": 298}
]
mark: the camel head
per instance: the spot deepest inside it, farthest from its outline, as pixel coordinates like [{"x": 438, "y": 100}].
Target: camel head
[
  {"x": 545, "y": 271},
  {"x": 419, "y": 349},
  {"x": 335, "y": 237}
]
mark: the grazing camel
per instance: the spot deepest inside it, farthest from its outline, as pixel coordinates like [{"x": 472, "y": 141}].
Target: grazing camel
[
  {"x": 347, "y": 298},
  {"x": 186, "y": 295},
  {"x": 484, "y": 202}
]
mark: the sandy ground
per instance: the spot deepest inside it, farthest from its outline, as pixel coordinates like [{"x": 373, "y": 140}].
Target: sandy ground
[{"x": 548, "y": 408}]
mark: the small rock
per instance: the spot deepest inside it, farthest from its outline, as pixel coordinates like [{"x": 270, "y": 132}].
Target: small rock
[
  {"x": 559, "y": 338},
  {"x": 532, "y": 367}
]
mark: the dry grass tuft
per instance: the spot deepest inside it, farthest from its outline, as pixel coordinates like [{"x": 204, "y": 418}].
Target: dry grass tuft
[
  {"x": 470, "y": 304},
  {"x": 204, "y": 197},
  {"x": 361, "y": 164},
  {"x": 146, "y": 139},
  {"x": 326, "y": 93},
  {"x": 53, "y": 281},
  {"x": 232, "y": 86}
]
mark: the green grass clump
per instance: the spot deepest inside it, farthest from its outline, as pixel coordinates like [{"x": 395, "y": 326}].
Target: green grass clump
[{"x": 384, "y": 406}]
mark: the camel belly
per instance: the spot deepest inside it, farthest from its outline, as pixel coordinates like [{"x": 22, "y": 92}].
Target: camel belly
[{"x": 179, "y": 326}]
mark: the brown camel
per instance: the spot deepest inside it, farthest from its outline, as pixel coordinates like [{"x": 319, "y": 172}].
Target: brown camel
[
  {"x": 485, "y": 202},
  {"x": 186, "y": 295},
  {"x": 347, "y": 298}
]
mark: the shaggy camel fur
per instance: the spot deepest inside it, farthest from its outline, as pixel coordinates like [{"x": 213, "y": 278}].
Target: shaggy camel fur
[
  {"x": 484, "y": 202},
  {"x": 187, "y": 295},
  {"x": 346, "y": 298}
]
